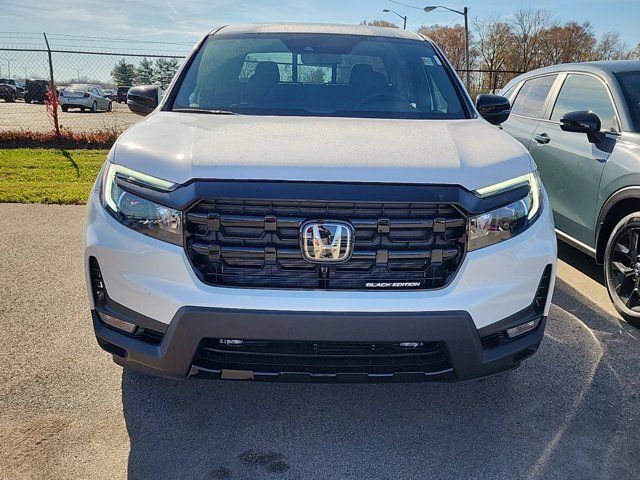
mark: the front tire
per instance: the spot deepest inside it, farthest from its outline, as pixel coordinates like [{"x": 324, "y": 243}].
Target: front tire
[
  {"x": 622, "y": 268},
  {"x": 94, "y": 107},
  {"x": 65, "y": 108}
]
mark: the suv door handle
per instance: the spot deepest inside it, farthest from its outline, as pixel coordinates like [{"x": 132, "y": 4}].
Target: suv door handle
[{"x": 542, "y": 138}]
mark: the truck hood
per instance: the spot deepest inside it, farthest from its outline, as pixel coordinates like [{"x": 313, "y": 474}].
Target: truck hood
[{"x": 181, "y": 146}]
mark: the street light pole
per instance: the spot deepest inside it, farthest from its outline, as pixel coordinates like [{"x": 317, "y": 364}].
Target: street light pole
[
  {"x": 464, "y": 13},
  {"x": 403, "y": 17},
  {"x": 466, "y": 47},
  {"x": 8, "y": 60}
]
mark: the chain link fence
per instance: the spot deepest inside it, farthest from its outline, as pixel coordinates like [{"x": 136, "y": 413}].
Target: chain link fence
[{"x": 28, "y": 61}]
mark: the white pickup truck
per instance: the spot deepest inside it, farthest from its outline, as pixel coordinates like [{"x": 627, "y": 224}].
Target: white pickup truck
[{"x": 318, "y": 203}]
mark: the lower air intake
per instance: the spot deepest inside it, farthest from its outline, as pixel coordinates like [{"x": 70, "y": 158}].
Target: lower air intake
[{"x": 274, "y": 358}]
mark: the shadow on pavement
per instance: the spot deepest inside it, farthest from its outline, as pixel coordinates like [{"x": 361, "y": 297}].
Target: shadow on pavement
[
  {"x": 569, "y": 412},
  {"x": 581, "y": 261}
]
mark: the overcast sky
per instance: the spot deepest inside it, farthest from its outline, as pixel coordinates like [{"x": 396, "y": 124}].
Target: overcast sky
[{"x": 186, "y": 20}]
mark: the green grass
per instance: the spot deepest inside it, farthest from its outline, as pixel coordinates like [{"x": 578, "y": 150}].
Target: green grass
[{"x": 32, "y": 175}]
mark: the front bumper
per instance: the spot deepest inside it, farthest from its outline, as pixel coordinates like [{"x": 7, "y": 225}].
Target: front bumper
[{"x": 465, "y": 352}]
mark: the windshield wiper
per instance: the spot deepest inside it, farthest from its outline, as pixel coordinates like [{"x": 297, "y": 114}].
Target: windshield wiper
[{"x": 204, "y": 110}]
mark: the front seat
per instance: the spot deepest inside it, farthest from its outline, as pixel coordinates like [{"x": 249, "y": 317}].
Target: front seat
[
  {"x": 262, "y": 84},
  {"x": 367, "y": 82}
]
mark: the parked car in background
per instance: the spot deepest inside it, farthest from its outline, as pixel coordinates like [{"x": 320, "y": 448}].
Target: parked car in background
[
  {"x": 8, "y": 90},
  {"x": 84, "y": 97},
  {"x": 121, "y": 96},
  {"x": 353, "y": 218},
  {"x": 20, "y": 87},
  {"x": 36, "y": 91},
  {"x": 581, "y": 124},
  {"x": 111, "y": 94}
]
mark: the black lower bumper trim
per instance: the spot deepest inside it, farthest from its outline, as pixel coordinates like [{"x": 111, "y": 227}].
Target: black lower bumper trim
[
  {"x": 175, "y": 355},
  {"x": 299, "y": 377}
]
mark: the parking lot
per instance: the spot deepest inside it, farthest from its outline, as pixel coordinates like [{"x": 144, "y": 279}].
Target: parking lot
[
  {"x": 33, "y": 117},
  {"x": 67, "y": 412}
]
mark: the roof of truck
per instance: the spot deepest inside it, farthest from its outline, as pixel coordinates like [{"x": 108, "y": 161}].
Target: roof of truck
[{"x": 317, "y": 28}]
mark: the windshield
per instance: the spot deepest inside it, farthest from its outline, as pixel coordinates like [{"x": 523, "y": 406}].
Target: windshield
[
  {"x": 320, "y": 75},
  {"x": 630, "y": 84}
]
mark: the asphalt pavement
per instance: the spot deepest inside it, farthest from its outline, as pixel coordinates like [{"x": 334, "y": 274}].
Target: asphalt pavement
[
  {"x": 33, "y": 117},
  {"x": 68, "y": 412}
]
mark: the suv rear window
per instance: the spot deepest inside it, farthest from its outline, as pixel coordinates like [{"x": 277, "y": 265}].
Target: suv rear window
[
  {"x": 320, "y": 75},
  {"x": 532, "y": 95}
]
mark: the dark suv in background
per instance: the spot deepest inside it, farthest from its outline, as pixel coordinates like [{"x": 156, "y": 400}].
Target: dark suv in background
[
  {"x": 581, "y": 124},
  {"x": 8, "y": 90},
  {"x": 35, "y": 91},
  {"x": 121, "y": 94}
]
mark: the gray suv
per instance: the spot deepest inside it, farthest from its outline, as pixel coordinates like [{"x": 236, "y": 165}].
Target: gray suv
[{"x": 581, "y": 124}]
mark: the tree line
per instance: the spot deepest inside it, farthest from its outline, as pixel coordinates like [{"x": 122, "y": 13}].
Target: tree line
[
  {"x": 147, "y": 72},
  {"x": 501, "y": 48}
]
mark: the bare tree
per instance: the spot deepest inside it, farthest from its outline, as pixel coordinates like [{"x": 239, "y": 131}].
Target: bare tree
[
  {"x": 379, "y": 23},
  {"x": 610, "y": 47},
  {"x": 493, "y": 45},
  {"x": 528, "y": 27}
]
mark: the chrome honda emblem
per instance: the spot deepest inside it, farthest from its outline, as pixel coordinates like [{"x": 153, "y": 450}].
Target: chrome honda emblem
[{"x": 326, "y": 241}]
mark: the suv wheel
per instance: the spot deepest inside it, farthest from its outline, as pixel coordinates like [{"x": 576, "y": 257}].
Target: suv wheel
[
  {"x": 94, "y": 107},
  {"x": 622, "y": 268},
  {"x": 12, "y": 98}
]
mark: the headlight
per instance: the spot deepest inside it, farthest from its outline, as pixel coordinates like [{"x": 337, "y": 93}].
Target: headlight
[
  {"x": 506, "y": 222},
  {"x": 137, "y": 213}
]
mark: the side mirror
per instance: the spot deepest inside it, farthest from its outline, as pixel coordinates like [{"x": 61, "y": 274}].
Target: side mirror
[
  {"x": 495, "y": 109},
  {"x": 583, "y": 122},
  {"x": 144, "y": 99}
]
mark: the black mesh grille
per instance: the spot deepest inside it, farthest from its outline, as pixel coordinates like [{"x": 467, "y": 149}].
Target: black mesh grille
[
  {"x": 254, "y": 243},
  {"x": 542, "y": 292},
  {"x": 323, "y": 358},
  {"x": 97, "y": 282}
]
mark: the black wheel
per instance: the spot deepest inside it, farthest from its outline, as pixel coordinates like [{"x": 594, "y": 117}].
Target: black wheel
[
  {"x": 12, "y": 98},
  {"x": 82, "y": 109},
  {"x": 110, "y": 107},
  {"x": 94, "y": 107},
  {"x": 27, "y": 100},
  {"x": 622, "y": 268},
  {"x": 65, "y": 108}
]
